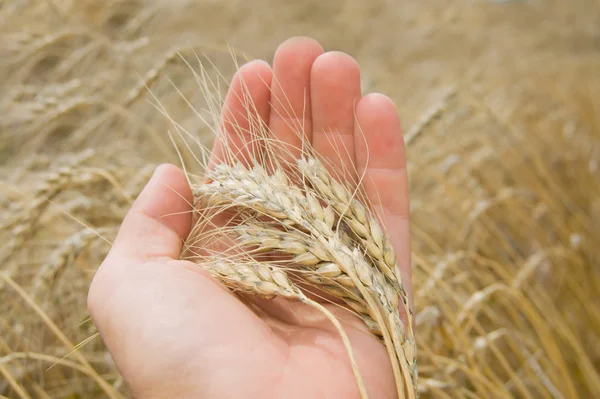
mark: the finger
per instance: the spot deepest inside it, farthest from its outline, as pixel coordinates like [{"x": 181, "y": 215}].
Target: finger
[
  {"x": 160, "y": 218},
  {"x": 291, "y": 118},
  {"x": 380, "y": 158},
  {"x": 245, "y": 114},
  {"x": 335, "y": 88}
]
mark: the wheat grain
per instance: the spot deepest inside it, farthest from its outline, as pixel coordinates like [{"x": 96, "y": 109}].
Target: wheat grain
[{"x": 253, "y": 278}]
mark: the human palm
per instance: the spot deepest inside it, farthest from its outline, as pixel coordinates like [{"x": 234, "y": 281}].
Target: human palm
[{"x": 175, "y": 332}]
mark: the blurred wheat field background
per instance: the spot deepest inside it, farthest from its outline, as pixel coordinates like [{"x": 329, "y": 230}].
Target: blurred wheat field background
[{"x": 500, "y": 102}]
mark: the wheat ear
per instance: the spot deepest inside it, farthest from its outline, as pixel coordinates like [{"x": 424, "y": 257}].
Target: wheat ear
[
  {"x": 274, "y": 196},
  {"x": 326, "y": 275},
  {"x": 365, "y": 226}
]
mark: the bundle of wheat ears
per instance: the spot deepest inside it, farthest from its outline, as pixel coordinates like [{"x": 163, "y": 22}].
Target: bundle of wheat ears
[{"x": 294, "y": 227}]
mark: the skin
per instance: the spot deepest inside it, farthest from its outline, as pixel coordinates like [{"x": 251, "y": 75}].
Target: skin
[{"x": 173, "y": 331}]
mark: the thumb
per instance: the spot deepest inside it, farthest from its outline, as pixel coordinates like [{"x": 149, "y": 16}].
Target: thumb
[{"x": 159, "y": 220}]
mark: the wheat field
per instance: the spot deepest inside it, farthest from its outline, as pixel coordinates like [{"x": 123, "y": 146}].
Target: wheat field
[{"x": 501, "y": 114}]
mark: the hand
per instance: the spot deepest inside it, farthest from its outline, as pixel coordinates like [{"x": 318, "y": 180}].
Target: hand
[{"x": 174, "y": 332}]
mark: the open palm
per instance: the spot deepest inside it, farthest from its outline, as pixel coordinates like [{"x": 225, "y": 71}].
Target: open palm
[{"x": 175, "y": 332}]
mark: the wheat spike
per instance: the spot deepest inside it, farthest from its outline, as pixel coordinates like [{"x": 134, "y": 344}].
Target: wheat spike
[{"x": 364, "y": 225}]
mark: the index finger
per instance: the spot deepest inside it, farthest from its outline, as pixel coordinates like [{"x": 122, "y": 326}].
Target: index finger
[{"x": 244, "y": 116}]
